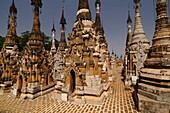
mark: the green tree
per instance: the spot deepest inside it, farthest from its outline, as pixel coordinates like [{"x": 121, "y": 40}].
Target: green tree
[
  {"x": 2, "y": 40},
  {"x": 23, "y": 39}
]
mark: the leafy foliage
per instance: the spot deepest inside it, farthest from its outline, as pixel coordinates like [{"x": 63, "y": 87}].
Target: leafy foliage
[{"x": 23, "y": 39}]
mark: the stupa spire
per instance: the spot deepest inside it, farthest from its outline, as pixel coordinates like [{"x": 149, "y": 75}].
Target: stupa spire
[
  {"x": 162, "y": 24},
  {"x": 62, "y": 43},
  {"x": 53, "y": 47},
  {"x": 36, "y": 22},
  {"x": 12, "y": 20},
  {"x": 98, "y": 6},
  {"x": 162, "y": 17},
  {"x": 11, "y": 37},
  {"x": 13, "y": 9},
  {"x": 35, "y": 40},
  {"x": 98, "y": 24},
  {"x": 63, "y": 20},
  {"x": 53, "y": 29},
  {"x": 83, "y": 4},
  {"x": 129, "y": 20},
  {"x": 83, "y": 12},
  {"x": 138, "y": 33},
  {"x": 159, "y": 52},
  {"x": 129, "y": 35}
]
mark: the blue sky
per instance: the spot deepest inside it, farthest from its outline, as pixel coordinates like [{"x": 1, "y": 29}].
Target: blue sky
[{"x": 113, "y": 15}]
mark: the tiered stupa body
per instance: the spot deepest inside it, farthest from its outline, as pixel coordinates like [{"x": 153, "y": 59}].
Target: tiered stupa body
[
  {"x": 154, "y": 82},
  {"x": 34, "y": 78},
  {"x": 137, "y": 48},
  {"x": 86, "y": 60},
  {"x": 9, "y": 55}
]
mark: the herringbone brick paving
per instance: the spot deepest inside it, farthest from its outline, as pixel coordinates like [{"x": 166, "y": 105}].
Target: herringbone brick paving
[{"x": 118, "y": 101}]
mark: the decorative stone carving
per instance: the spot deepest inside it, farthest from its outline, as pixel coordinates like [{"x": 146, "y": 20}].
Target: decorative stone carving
[
  {"x": 10, "y": 56},
  {"x": 35, "y": 64},
  {"x": 83, "y": 66}
]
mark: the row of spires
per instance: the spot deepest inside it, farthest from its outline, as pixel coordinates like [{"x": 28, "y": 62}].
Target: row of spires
[
  {"x": 162, "y": 17},
  {"x": 11, "y": 38},
  {"x": 63, "y": 43},
  {"x": 83, "y": 4}
]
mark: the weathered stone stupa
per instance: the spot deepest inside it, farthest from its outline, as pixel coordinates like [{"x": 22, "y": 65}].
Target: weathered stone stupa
[
  {"x": 154, "y": 82},
  {"x": 34, "y": 78},
  {"x": 127, "y": 62},
  {"x": 59, "y": 56},
  {"x": 137, "y": 47},
  {"x": 9, "y": 55},
  {"x": 86, "y": 59}
]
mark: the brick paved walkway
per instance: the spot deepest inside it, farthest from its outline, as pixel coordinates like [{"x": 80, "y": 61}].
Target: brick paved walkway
[{"x": 119, "y": 101}]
